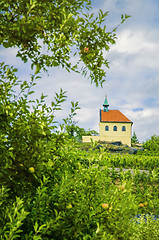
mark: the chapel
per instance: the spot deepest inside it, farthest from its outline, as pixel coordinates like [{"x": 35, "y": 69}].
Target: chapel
[{"x": 114, "y": 126}]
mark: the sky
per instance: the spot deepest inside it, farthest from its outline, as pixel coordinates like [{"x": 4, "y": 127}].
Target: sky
[{"x": 132, "y": 82}]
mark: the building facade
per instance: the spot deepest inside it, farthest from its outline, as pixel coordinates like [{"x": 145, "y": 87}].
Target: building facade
[{"x": 113, "y": 126}]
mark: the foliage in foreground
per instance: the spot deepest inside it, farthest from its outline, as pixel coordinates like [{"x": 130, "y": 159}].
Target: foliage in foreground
[{"x": 50, "y": 189}]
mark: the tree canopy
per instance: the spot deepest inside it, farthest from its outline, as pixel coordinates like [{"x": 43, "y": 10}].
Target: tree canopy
[{"x": 50, "y": 32}]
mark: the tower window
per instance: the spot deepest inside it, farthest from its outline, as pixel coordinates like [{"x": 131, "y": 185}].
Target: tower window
[
  {"x": 115, "y": 128},
  {"x": 106, "y": 128},
  {"x": 123, "y": 128}
]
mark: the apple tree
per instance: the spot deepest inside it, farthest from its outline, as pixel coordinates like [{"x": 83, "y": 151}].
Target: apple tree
[{"x": 50, "y": 33}]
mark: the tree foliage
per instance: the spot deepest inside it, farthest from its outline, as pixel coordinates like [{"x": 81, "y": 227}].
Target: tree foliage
[
  {"x": 25, "y": 129},
  {"x": 50, "y": 32},
  {"x": 134, "y": 138},
  {"x": 152, "y": 144}
]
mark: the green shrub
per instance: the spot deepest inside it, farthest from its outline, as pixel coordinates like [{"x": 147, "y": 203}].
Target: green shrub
[
  {"x": 145, "y": 228},
  {"x": 152, "y": 145}
]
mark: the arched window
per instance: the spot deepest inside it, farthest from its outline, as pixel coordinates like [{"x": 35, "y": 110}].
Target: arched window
[
  {"x": 106, "y": 128},
  {"x": 123, "y": 128},
  {"x": 115, "y": 128}
]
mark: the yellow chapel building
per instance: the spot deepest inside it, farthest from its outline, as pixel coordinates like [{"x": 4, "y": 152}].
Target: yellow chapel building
[{"x": 113, "y": 127}]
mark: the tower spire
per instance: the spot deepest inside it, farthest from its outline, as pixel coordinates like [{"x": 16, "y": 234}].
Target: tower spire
[{"x": 105, "y": 105}]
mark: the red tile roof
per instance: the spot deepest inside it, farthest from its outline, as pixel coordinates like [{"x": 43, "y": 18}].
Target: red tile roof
[{"x": 113, "y": 116}]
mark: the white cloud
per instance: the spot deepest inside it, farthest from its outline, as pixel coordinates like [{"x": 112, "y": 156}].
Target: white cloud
[
  {"x": 130, "y": 42},
  {"x": 145, "y": 123},
  {"x": 8, "y": 55}
]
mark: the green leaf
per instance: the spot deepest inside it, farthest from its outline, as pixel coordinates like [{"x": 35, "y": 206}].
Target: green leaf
[
  {"x": 35, "y": 227},
  {"x": 6, "y": 44}
]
